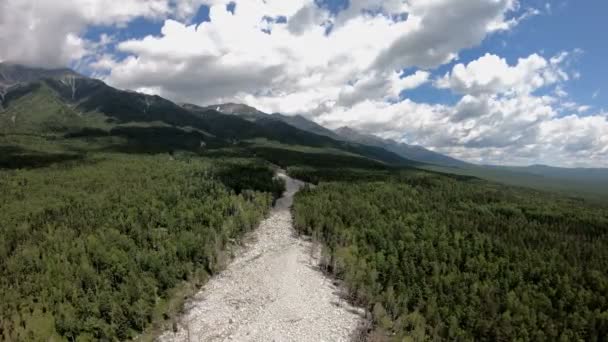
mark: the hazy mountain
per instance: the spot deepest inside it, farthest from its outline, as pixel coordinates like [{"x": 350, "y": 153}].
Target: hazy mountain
[
  {"x": 582, "y": 181},
  {"x": 586, "y": 175},
  {"x": 416, "y": 153}
]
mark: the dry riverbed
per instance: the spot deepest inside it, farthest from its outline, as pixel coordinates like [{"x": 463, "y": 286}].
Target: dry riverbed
[{"x": 272, "y": 291}]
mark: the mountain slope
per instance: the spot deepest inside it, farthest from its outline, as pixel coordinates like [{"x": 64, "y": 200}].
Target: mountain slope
[
  {"x": 307, "y": 125},
  {"x": 253, "y": 114},
  {"x": 417, "y": 153},
  {"x": 36, "y": 108},
  {"x": 275, "y": 128},
  {"x": 84, "y": 95},
  {"x": 578, "y": 174},
  {"x": 235, "y": 109},
  {"x": 414, "y": 153},
  {"x": 140, "y": 117},
  {"x": 11, "y": 74}
]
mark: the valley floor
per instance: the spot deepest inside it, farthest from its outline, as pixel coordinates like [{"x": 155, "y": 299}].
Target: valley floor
[{"x": 273, "y": 291}]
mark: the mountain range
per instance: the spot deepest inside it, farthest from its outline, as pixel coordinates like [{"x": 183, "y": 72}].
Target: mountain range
[
  {"x": 64, "y": 102},
  {"x": 410, "y": 152},
  {"x": 61, "y": 102}
]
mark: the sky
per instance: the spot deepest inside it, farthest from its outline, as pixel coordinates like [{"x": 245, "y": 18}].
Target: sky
[{"x": 487, "y": 81}]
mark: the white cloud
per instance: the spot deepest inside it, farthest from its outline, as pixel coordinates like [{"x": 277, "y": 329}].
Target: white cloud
[
  {"x": 234, "y": 59},
  {"x": 430, "y": 38},
  {"x": 498, "y": 120},
  {"x": 583, "y": 109},
  {"x": 48, "y": 33},
  {"x": 560, "y": 92},
  {"x": 504, "y": 25},
  {"x": 290, "y": 70},
  {"x": 387, "y": 87},
  {"x": 583, "y": 139},
  {"x": 491, "y": 74},
  {"x": 519, "y": 130}
]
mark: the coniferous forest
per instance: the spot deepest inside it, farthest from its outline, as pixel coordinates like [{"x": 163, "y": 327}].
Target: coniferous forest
[
  {"x": 94, "y": 250},
  {"x": 437, "y": 257}
]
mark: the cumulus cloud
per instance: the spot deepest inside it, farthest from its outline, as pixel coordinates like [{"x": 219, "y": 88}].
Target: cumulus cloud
[
  {"x": 313, "y": 60},
  {"x": 48, "y": 33},
  {"x": 499, "y": 119},
  {"x": 491, "y": 74},
  {"x": 387, "y": 87},
  {"x": 352, "y": 67},
  {"x": 496, "y": 129},
  {"x": 583, "y": 139},
  {"x": 437, "y": 30},
  {"x": 305, "y": 18}
]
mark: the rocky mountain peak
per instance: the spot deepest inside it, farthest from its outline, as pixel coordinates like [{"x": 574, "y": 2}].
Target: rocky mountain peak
[{"x": 11, "y": 74}]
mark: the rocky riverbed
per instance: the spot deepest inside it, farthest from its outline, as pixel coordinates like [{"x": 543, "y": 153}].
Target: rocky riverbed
[{"x": 272, "y": 291}]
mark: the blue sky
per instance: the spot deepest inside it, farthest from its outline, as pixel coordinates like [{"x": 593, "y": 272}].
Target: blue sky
[
  {"x": 488, "y": 81},
  {"x": 567, "y": 26},
  {"x": 562, "y": 26}
]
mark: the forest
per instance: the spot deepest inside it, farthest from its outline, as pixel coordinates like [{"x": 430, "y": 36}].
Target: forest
[
  {"x": 94, "y": 248},
  {"x": 443, "y": 257}
]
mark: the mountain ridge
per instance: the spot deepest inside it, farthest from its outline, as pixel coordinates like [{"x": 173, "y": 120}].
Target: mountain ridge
[
  {"x": 413, "y": 152},
  {"x": 87, "y": 96},
  {"x": 410, "y": 152}
]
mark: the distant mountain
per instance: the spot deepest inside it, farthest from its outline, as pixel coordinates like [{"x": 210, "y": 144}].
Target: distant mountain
[
  {"x": 62, "y": 102},
  {"x": 12, "y": 74},
  {"x": 253, "y": 114},
  {"x": 586, "y": 182},
  {"x": 254, "y": 123},
  {"x": 235, "y": 108},
  {"x": 587, "y": 175},
  {"x": 300, "y": 131},
  {"x": 416, "y": 153},
  {"x": 307, "y": 125},
  {"x": 241, "y": 110},
  {"x": 351, "y": 134},
  {"x": 74, "y": 93}
]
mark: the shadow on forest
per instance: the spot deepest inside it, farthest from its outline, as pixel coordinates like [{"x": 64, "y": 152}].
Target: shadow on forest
[
  {"x": 250, "y": 176},
  {"x": 286, "y": 158},
  {"x": 148, "y": 140},
  {"x": 14, "y": 157}
]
